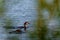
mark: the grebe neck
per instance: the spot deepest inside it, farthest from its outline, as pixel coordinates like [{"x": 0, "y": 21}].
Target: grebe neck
[{"x": 25, "y": 25}]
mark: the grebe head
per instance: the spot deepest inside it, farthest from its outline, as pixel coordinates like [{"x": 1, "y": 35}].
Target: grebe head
[{"x": 26, "y": 24}]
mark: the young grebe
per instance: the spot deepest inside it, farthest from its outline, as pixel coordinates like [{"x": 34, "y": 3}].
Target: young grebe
[{"x": 20, "y": 27}]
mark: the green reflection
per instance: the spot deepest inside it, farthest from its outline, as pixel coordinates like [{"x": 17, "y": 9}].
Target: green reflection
[
  {"x": 8, "y": 23},
  {"x": 2, "y": 8},
  {"x": 41, "y": 29},
  {"x": 13, "y": 38}
]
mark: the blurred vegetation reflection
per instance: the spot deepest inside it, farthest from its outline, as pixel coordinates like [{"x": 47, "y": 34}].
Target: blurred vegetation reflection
[
  {"x": 2, "y": 8},
  {"x": 41, "y": 28},
  {"x": 13, "y": 38},
  {"x": 8, "y": 23}
]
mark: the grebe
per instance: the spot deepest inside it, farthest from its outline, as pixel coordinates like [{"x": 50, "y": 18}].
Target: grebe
[{"x": 20, "y": 27}]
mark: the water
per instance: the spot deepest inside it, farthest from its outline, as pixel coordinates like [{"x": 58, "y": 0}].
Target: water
[
  {"x": 25, "y": 9},
  {"x": 19, "y": 11}
]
